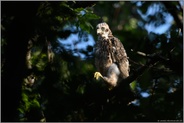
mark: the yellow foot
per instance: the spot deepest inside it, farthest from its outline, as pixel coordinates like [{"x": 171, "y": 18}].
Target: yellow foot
[{"x": 97, "y": 75}]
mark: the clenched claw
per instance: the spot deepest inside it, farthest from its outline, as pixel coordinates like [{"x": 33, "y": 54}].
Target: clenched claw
[{"x": 97, "y": 75}]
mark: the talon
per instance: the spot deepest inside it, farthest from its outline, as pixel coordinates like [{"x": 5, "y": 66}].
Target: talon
[{"x": 97, "y": 75}]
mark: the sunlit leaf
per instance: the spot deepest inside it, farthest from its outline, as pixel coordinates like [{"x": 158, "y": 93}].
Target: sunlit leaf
[{"x": 133, "y": 85}]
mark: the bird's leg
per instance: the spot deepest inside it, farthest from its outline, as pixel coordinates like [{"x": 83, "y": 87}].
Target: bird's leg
[{"x": 97, "y": 75}]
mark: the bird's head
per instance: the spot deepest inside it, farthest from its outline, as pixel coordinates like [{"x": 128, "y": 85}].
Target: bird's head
[{"x": 103, "y": 30}]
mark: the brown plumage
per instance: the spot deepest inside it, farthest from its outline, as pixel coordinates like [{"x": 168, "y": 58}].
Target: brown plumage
[{"x": 110, "y": 57}]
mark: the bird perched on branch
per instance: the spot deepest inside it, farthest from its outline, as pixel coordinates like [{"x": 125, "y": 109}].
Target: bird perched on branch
[{"x": 110, "y": 57}]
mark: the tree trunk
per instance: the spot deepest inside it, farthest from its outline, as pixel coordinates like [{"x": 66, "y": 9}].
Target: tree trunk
[{"x": 18, "y": 35}]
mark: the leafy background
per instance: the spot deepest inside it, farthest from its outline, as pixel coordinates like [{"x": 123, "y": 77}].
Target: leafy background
[{"x": 47, "y": 61}]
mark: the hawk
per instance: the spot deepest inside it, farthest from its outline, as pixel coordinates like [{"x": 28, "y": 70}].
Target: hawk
[{"x": 111, "y": 59}]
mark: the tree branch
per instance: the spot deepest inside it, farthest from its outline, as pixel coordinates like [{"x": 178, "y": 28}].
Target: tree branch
[{"x": 153, "y": 59}]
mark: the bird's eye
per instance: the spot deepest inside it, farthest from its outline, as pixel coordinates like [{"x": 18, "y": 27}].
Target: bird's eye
[
  {"x": 102, "y": 28},
  {"x": 106, "y": 30}
]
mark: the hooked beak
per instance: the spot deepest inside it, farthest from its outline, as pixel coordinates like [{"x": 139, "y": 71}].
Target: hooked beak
[{"x": 98, "y": 31}]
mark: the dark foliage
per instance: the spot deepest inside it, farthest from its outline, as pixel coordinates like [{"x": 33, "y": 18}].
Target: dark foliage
[{"x": 47, "y": 76}]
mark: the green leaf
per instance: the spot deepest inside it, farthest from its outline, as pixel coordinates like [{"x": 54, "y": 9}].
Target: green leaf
[
  {"x": 91, "y": 16},
  {"x": 133, "y": 85},
  {"x": 85, "y": 26},
  {"x": 24, "y": 97},
  {"x": 81, "y": 89},
  {"x": 21, "y": 110},
  {"x": 78, "y": 10},
  {"x": 35, "y": 103}
]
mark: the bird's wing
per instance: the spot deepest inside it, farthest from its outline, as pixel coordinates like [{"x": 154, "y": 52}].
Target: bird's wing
[{"x": 120, "y": 57}]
